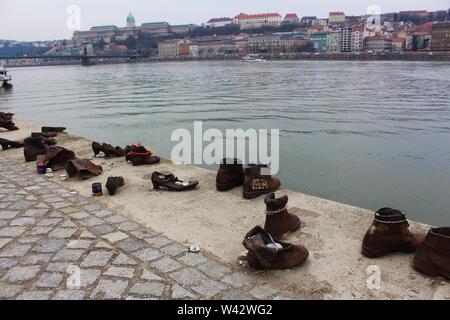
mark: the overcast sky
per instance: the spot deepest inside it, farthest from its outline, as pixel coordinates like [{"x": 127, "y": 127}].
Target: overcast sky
[{"x": 47, "y": 19}]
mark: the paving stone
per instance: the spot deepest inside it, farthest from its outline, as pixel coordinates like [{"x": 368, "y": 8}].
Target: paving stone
[
  {"x": 62, "y": 233},
  {"x": 49, "y": 280},
  {"x": 192, "y": 259},
  {"x": 59, "y": 205},
  {"x": 16, "y": 251},
  {"x": 89, "y": 276},
  {"x": 86, "y": 234},
  {"x": 4, "y": 205},
  {"x": 109, "y": 289},
  {"x": 97, "y": 259},
  {"x": 128, "y": 226},
  {"x": 141, "y": 234},
  {"x": 8, "y": 214},
  {"x": 50, "y": 245},
  {"x": 115, "y": 219},
  {"x": 234, "y": 294},
  {"x": 148, "y": 275},
  {"x": 178, "y": 292},
  {"x": 3, "y": 223},
  {"x": 91, "y": 222},
  {"x": 40, "y": 230},
  {"x": 92, "y": 207},
  {"x": 4, "y": 241},
  {"x": 23, "y": 221},
  {"x": 8, "y": 291},
  {"x": 147, "y": 254},
  {"x": 69, "y": 295},
  {"x": 148, "y": 288},
  {"x": 115, "y": 236},
  {"x": 208, "y": 288},
  {"x": 79, "y": 244},
  {"x": 53, "y": 199},
  {"x": 56, "y": 214},
  {"x": 79, "y": 215},
  {"x": 103, "y": 244},
  {"x": 12, "y": 231},
  {"x": 35, "y": 295},
  {"x": 213, "y": 269},
  {"x": 166, "y": 264},
  {"x": 68, "y": 255},
  {"x": 103, "y": 213},
  {"x": 49, "y": 222},
  {"x": 158, "y": 242},
  {"x": 129, "y": 245},
  {"x": 20, "y": 274},
  {"x": 59, "y": 266},
  {"x": 30, "y": 239},
  {"x": 101, "y": 229},
  {"x": 12, "y": 198},
  {"x": 187, "y": 276},
  {"x": 237, "y": 280},
  {"x": 124, "y": 260},
  {"x": 6, "y": 263},
  {"x": 37, "y": 258},
  {"x": 263, "y": 291},
  {"x": 68, "y": 224},
  {"x": 174, "y": 249},
  {"x": 120, "y": 272},
  {"x": 21, "y": 205}
]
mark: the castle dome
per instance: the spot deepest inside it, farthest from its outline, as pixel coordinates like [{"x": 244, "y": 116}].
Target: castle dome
[{"x": 130, "y": 17}]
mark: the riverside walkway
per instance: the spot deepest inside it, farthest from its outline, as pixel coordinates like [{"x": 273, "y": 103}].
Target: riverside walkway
[{"x": 135, "y": 245}]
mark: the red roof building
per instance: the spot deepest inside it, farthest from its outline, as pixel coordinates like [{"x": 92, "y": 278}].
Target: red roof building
[{"x": 291, "y": 18}]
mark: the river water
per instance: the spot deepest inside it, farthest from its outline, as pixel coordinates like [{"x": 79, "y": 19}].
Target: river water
[{"x": 369, "y": 134}]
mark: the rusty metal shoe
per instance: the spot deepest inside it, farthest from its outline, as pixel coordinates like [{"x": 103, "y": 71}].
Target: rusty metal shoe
[
  {"x": 56, "y": 157},
  {"x": 8, "y": 124},
  {"x": 171, "y": 182},
  {"x": 53, "y": 129},
  {"x": 278, "y": 219},
  {"x": 8, "y": 144},
  {"x": 83, "y": 168},
  {"x": 107, "y": 149},
  {"x": 389, "y": 232},
  {"x": 140, "y": 156},
  {"x": 113, "y": 183},
  {"x": 45, "y": 135},
  {"x": 432, "y": 257},
  {"x": 265, "y": 253},
  {"x": 230, "y": 174},
  {"x": 33, "y": 146},
  {"x": 258, "y": 181}
]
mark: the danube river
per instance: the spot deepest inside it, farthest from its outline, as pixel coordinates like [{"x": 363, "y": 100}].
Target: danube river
[{"x": 370, "y": 134}]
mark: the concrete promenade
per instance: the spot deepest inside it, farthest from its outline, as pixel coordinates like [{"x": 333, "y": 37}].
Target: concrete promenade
[{"x": 134, "y": 245}]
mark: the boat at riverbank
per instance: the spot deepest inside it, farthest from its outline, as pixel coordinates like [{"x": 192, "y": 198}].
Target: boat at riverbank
[
  {"x": 4, "y": 77},
  {"x": 253, "y": 58}
]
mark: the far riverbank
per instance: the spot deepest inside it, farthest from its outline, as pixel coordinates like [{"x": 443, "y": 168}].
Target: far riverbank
[{"x": 362, "y": 56}]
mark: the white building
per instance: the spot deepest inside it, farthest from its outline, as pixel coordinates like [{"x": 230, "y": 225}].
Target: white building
[
  {"x": 219, "y": 22},
  {"x": 258, "y": 20}
]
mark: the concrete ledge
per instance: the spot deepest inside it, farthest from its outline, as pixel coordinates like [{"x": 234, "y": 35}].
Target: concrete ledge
[{"x": 218, "y": 221}]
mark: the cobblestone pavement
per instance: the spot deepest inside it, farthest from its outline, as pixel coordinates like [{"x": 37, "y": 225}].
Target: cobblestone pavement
[{"x": 55, "y": 244}]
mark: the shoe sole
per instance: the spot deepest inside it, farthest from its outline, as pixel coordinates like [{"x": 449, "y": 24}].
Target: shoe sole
[
  {"x": 427, "y": 270},
  {"x": 226, "y": 187},
  {"x": 377, "y": 253}
]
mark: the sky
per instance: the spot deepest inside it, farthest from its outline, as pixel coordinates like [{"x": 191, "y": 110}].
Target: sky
[{"x": 47, "y": 19}]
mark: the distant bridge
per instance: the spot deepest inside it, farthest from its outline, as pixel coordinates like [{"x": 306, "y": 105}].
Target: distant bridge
[{"x": 84, "y": 59}]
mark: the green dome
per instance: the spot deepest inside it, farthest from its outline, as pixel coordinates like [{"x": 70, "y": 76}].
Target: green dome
[{"x": 130, "y": 17}]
